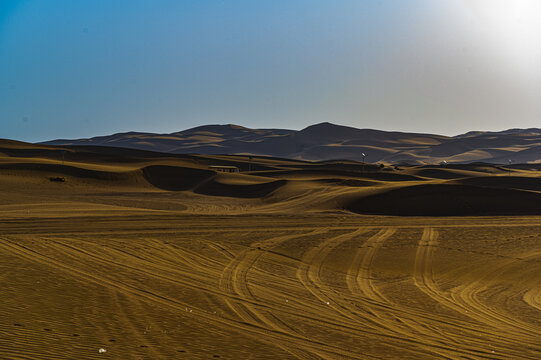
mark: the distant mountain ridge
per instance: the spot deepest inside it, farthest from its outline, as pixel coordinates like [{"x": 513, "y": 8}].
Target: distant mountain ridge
[{"x": 326, "y": 141}]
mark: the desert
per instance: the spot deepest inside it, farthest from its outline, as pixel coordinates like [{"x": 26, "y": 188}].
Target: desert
[
  {"x": 131, "y": 254},
  {"x": 270, "y": 180}
]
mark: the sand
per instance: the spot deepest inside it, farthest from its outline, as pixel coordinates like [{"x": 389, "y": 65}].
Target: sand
[
  {"x": 326, "y": 141},
  {"x": 148, "y": 256}
]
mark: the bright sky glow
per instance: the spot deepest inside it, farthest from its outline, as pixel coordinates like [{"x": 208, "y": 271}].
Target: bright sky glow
[
  {"x": 514, "y": 27},
  {"x": 71, "y": 69}
]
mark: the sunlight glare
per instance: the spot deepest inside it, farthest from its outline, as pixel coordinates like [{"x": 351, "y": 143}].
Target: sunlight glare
[{"x": 514, "y": 26}]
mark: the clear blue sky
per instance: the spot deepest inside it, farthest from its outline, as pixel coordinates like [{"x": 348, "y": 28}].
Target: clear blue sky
[{"x": 72, "y": 69}]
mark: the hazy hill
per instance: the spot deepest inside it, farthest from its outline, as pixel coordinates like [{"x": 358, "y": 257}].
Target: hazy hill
[{"x": 328, "y": 141}]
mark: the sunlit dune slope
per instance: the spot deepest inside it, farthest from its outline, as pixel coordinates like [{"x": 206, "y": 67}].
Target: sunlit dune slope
[
  {"x": 326, "y": 141},
  {"x": 110, "y": 253},
  {"x": 270, "y": 184}
]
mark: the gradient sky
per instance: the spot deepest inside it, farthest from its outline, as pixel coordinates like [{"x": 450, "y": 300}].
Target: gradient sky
[{"x": 72, "y": 69}]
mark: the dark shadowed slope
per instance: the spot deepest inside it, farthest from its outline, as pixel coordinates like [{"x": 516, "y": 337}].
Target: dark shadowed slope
[
  {"x": 327, "y": 141},
  {"x": 449, "y": 200},
  {"x": 110, "y": 175}
]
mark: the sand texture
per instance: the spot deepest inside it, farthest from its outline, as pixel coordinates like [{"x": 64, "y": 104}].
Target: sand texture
[
  {"x": 152, "y": 256},
  {"x": 328, "y": 141}
]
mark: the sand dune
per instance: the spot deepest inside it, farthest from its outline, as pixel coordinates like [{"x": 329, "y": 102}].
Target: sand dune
[
  {"x": 176, "y": 178},
  {"x": 356, "y": 187},
  {"x": 448, "y": 200},
  {"x": 155, "y": 256},
  {"x": 243, "y": 190},
  {"x": 444, "y": 173},
  {"x": 327, "y": 141},
  {"x": 506, "y": 182}
]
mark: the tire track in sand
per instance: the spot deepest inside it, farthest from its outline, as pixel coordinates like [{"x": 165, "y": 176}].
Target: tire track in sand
[
  {"x": 309, "y": 274},
  {"x": 397, "y": 319},
  {"x": 467, "y": 296},
  {"x": 234, "y": 281},
  {"x": 359, "y": 276},
  {"x": 254, "y": 306},
  {"x": 423, "y": 278},
  {"x": 257, "y": 332},
  {"x": 359, "y": 281},
  {"x": 532, "y": 297},
  {"x": 310, "y": 269}
]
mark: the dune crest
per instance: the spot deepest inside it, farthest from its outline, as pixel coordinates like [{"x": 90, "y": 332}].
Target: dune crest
[
  {"x": 271, "y": 185},
  {"x": 328, "y": 141},
  {"x": 161, "y": 256}
]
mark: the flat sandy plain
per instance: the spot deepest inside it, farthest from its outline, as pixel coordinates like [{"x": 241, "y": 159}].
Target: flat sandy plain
[{"x": 155, "y": 257}]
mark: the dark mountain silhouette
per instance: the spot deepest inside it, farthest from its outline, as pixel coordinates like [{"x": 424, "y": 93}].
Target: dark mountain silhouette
[{"x": 328, "y": 141}]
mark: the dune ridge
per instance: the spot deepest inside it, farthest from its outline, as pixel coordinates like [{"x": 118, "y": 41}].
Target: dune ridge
[
  {"x": 119, "y": 253},
  {"x": 267, "y": 185},
  {"x": 328, "y": 141}
]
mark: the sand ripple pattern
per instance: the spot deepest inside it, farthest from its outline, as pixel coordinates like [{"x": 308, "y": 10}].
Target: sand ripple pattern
[{"x": 316, "y": 291}]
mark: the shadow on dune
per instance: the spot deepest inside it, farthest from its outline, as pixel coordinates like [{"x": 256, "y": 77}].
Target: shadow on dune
[
  {"x": 176, "y": 178},
  {"x": 348, "y": 182},
  {"x": 67, "y": 170},
  {"x": 435, "y": 173},
  {"x": 323, "y": 173},
  {"x": 508, "y": 182},
  {"x": 204, "y": 182},
  {"x": 215, "y": 188},
  {"x": 448, "y": 200}
]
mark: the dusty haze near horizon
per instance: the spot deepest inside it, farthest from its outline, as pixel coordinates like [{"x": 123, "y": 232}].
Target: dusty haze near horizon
[{"x": 82, "y": 69}]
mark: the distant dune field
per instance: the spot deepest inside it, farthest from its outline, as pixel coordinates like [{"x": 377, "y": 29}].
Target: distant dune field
[
  {"x": 326, "y": 141},
  {"x": 112, "y": 253}
]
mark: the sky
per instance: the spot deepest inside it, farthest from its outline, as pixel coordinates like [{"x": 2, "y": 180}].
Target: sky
[{"x": 76, "y": 69}]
